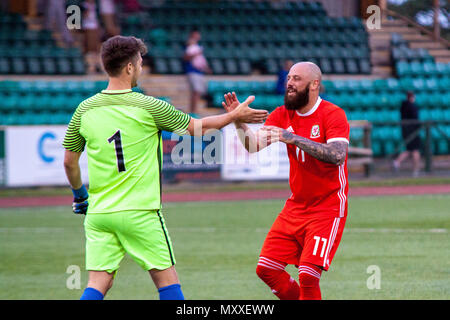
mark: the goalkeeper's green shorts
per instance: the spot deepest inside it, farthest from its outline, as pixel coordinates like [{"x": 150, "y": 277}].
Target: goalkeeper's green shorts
[{"x": 141, "y": 234}]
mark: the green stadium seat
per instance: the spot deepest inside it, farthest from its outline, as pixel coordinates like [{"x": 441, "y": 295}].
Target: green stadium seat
[
  {"x": 161, "y": 66},
  {"x": 18, "y": 65},
  {"x": 49, "y": 66},
  {"x": 403, "y": 69},
  {"x": 231, "y": 66},
  {"x": 351, "y": 66},
  {"x": 271, "y": 66},
  {"x": 364, "y": 66},
  {"x": 338, "y": 66},
  {"x": 217, "y": 66},
  {"x": 244, "y": 66},
  {"x": 63, "y": 66},
  {"x": 325, "y": 65},
  {"x": 176, "y": 66}
]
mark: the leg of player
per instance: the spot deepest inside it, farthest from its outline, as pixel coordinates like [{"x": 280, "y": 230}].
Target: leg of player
[
  {"x": 167, "y": 283},
  {"x": 273, "y": 274},
  {"x": 309, "y": 277},
  {"x": 98, "y": 285}
]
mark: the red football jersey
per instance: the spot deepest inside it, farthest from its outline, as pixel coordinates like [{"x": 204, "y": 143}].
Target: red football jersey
[{"x": 317, "y": 187}]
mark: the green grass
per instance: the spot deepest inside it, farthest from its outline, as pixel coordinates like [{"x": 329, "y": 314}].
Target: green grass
[{"x": 217, "y": 246}]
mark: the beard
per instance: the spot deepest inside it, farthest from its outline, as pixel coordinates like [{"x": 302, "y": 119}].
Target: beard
[
  {"x": 298, "y": 101},
  {"x": 134, "y": 81}
]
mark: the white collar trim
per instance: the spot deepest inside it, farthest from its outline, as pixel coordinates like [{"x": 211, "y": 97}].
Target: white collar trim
[{"x": 313, "y": 109}]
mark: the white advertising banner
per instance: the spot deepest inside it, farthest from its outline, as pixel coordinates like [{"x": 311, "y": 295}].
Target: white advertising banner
[
  {"x": 271, "y": 163},
  {"x": 35, "y": 156}
]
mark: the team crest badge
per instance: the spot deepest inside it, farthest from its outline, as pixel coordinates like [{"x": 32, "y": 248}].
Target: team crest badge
[{"x": 315, "y": 131}]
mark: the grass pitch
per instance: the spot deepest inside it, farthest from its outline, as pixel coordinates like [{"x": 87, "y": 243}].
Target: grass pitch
[{"x": 217, "y": 245}]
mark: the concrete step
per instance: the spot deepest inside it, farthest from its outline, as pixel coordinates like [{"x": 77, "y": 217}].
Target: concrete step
[
  {"x": 439, "y": 52},
  {"x": 442, "y": 59},
  {"x": 382, "y": 71},
  {"x": 426, "y": 45},
  {"x": 394, "y": 29},
  {"x": 380, "y": 36},
  {"x": 397, "y": 22},
  {"x": 381, "y": 57},
  {"x": 416, "y": 37}
]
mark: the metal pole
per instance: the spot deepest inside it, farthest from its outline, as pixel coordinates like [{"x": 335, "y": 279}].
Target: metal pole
[
  {"x": 368, "y": 144},
  {"x": 428, "y": 142},
  {"x": 436, "y": 25}
]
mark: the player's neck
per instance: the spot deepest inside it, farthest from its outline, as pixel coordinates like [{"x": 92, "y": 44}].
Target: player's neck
[
  {"x": 118, "y": 84},
  {"x": 310, "y": 105}
]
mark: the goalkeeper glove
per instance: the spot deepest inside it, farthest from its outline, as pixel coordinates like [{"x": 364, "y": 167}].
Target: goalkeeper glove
[{"x": 80, "y": 203}]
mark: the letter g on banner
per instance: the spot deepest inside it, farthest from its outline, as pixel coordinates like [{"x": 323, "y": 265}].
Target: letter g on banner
[{"x": 42, "y": 155}]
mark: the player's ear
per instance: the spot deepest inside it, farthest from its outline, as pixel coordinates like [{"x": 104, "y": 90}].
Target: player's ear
[
  {"x": 129, "y": 68},
  {"x": 315, "y": 84}
]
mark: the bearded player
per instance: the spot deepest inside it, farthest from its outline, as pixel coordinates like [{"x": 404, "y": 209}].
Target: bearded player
[{"x": 308, "y": 230}]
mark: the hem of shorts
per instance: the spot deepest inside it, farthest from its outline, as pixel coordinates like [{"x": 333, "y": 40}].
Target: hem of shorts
[
  {"x": 109, "y": 270},
  {"x": 324, "y": 268},
  {"x": 160, "y": 268},
  {"x": 123, "y": 210}
]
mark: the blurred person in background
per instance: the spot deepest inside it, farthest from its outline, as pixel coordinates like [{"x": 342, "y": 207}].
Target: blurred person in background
[
  {"x": 409, "y": 111},
  {"x": 282, "y": 76},
  {"x": 196, "y": 66},
  {"x": 130, "y": 6},
  {"x": 91, "y": 29},
  {"x": 55, "y": 17},
  {"x": 109, "y": 19}
]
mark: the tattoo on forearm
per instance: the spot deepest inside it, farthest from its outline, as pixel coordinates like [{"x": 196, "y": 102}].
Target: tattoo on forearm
[{"x": 334, "y": 152}]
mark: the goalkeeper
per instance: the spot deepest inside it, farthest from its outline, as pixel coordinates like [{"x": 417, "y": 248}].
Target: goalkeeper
[{"x": 121, "y": 131}]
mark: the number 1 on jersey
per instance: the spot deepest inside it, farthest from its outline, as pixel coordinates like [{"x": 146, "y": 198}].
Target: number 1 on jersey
[{"x": 119, "y": 151}]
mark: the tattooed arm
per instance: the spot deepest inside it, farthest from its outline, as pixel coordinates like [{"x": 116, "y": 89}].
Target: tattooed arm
[{"x": 334, "y": 152}]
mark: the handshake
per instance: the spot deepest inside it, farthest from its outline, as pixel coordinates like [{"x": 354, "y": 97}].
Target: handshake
[{"x": 80, "y": 203}]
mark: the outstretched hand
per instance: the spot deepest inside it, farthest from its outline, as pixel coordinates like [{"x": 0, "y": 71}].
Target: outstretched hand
[
  {"x": 242, "y": 112},
  {"x": 231, "y": 101}
]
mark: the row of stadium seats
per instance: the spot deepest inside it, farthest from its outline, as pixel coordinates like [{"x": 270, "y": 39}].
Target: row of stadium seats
[
  {"x": 402, "y": 52},
  {"x": 417, "y": 69},
  {"x": 377, "y": 101},
  {"x": 24, "y": 38},
  {"x": 312, "y": 8},
  {"x": 35, "y": 100},
  {"x": 24, "y": 51},
  {"x": 36, "y": 65},
  {"x": 257, "y": 36},
  {"x": 385, "y": 89},
  {"x": 85, "y": 88},
  {"x": 371, "y": 103},
  {"x": 237, "y": 66},
  {"x": 239, "y": 38}
]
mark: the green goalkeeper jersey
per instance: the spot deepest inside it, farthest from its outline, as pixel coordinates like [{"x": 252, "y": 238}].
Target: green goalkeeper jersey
[{"x": 121, "y": 131}]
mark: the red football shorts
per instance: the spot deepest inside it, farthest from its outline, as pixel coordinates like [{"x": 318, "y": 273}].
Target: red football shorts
[{"x": 309, "y": 238}]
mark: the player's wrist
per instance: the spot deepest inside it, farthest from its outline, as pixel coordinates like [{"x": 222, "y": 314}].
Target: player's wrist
[
  {"x": 234, "y": 115},
  {"x": 80, "y": 193}
]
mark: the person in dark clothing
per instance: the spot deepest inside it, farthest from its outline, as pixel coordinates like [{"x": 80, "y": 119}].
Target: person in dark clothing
[
  {"x": 282, "y": 75},
  {"x": 409, "y": 111}
]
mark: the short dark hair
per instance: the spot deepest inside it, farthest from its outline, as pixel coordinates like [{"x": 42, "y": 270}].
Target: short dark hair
[
  {"x": 409, "y": 94},
  {"x": 118, "y": 51}
]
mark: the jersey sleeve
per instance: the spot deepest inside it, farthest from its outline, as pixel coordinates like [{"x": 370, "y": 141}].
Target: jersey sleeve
[
  {"x": 337, "y": 127},
  {"x": 274, "y": 118},
  {"x": 167, "y": 117},
  {"x": 73, "y": 140}
]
